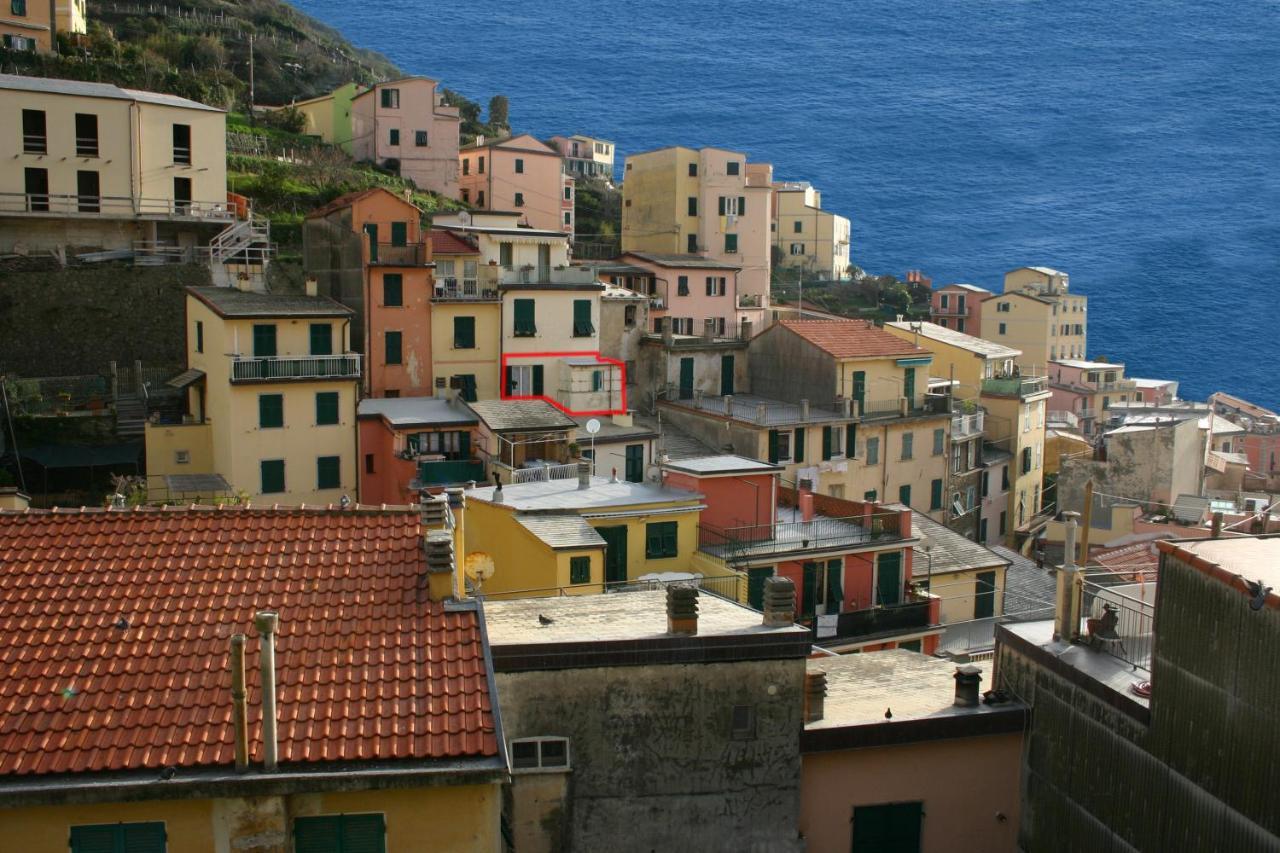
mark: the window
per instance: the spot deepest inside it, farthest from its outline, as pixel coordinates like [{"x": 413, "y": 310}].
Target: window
[
  {"x": 568, "y": 218},
  {"x": 326, "y": 408},
  {"x": 525, "y": 327},
  {"x": 682, "y": 285},
  {"x": 344, "y": 833},
  {"x": 693, "y": 205},
  {"x": 568, "y": 193},
  {"x": 466, "y": 196},
  {"x": 35, "y": 139},
  {"x": 732, "y": 167},
  {"x": 464, "y": 332},
  {"x": 904, "y": 495},
  {"x": 524, "y": 380},
  {"x": 1002, "y": 328},
  {"x": 660, "y": 539},
  {"x": 392, "y": 290},
  {"x": 466, "y": 169},
  {"x": 199, "y": 336},
  {"x": 466, "y": 385},
  {"x": 519, "y": 166},
  {"x": 270, "y": 411},
  {"x": 869, "y": 495},
  {"x": 1004, "y": 478},
  {"x": 832, "y": 442},
  {"x": 182, "y": 457},
  {"x": 329, "y": 472},
  {"x": 939, "y": 437},
  {"x": 88, "y": 196},
  {"x": 960, "y": 324},
  {"x": 394, "y": 354},
  {"x": 908, "y": 439},
  {"x": 1004, "y": 521},
  {"x": 733, "y": 205},
  {"x": 779, "y": 446},
  {"x": 480, "y": 166},
  {"x": 506, "y": 253},
  {"x": 264, "y": 340},
  {"x": 519, "y": 201},
  {"x": 731, "y": 243},
  {"x": 986, "y": 482},
  {"x": 480, "y": 199},
  {"x": 935, "y": 495},
  {"x": 321, "y": 339},
  {"x": 18, "y": 7},
  {"x": 86, "y": 135},
  {"x": 634, "y": 457},
  {"x": 797, "y": 248},
  {"x": 1002, "y": 307},
  {"x": 181, "y": 196},
  {"x": 420, "y": 138},
  {"x": 37, "y": 188},
  {"x": 272, "y": 476},
  {"x": 873, "y": 451},
  {"x": 597, "y": 380},
  {"x": 399, "y": 233},
  {"x": 543, "y": 753},
  {"x": 888, "y": 828},
  {"x": 693, "y": 169},
  {"x": 130, "y": 837},
  {"x": 692, "y": 244},
  {"x": 742, "y": 722},
  {"x": 1026, "y": 460},
  {"x": 715, "y": 285},
  {"x": 391, "y": 99},
  {"x": 393, "y": 136},
  {"x": 579, "y": 570},
  {"x": 182, "y": 144}
]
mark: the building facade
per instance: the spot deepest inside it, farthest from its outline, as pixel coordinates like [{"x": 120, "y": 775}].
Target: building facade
[
  {"x": 31, "y": 26},
  {"x": 1086, "y": 389},
  {"x": 406, "y": 125},
  {"x": 328, "y": 116},
  {"x": 806, "y": 237},
  {"x": 959, "y": 307},
  {"x": 1037, "y": 315},
  {"x": 585, "y": 156},
  {"x": 521, "y": 175}
]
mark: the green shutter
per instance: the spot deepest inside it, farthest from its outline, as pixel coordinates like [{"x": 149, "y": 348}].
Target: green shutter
[
  {"x": 272, "y": 476},
  {"x": 860, "y": 389},
  {"x": 394, "y": 136},
  {"x": 773, "y": 446},
  {"x": 826, "y": 443},
  {"x": 755, "y": 586},
  {"x": 93, "y": 839},
  {"x": 722, "y": 205},
  {"x": 468, "y": 387},
  {"x": 938, "y": 441},
  {"x": 851, "y": 441},
  {"x": 889, "y": 828},
  {"x": 317, "y": 834},
  {"x": 682, "y": 285},
  {"x": 143, "y": 837},
  {"x": 399, "y": 233},
  {"x": 904, "y": 495},
  {"x": 394, "y": 353},
  {"x": 809, "y": 604},
  {"x": 889, "y": 578},
  {"x": 264, "y": 340},
  {"x": 661, "y": 539},
  {"x": 270, "y": 411},
  {"x": 635, "y": 463},
  {"x": 597, "y": 380},
  {"x": 935, "y": 495},
  {"x": 797, "y": 452},
  {"x": 321, "y": 339},
  {"x": 525, "y": 327},
  {"x": 579, "y": 570},
  {"x": 393, "y": 290},
  {"x": 909, "y": 386},
  {"x": 670, "y": 547},
  {"x": 537, "y": 380},
  {"x": 371, "y": 231},
  {"x": 835, "y": 585},
  {"x": 582, "y": 327},
  {"x": 742, "y": 205},
  {"x": 328, "y": 472},
  {"x": 511, "y": 380},
  {"x": 326, "y": 408},
  {"x": 731, "y": 243},
  {"x": 464, "y": 332}
]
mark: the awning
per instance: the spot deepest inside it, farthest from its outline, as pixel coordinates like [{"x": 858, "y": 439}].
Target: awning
[
  {"x": 185, "y": 379},
  {"x": 84, "y": 456}
]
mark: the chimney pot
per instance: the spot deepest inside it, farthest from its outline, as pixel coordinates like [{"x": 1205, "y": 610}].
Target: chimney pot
[
  {"x": 239, "y": 711},
  {"x": 584, "y": 474},
  {"x": 266, "y": 621},
  {"x": 804, "y": 410},
  {"x": 312, "y": 286},
  {"x": 779, "y": 602},
  {"x": 968, "y": 678},
  {"x": 432, "y": 511},
  {"x": 815, "y": 692},
  {"x": 682, "y": 610},
  {"x": 1067, "y": 598},
  {"x": 806, "y": 505},
  {"x": 439, "y": 549}
]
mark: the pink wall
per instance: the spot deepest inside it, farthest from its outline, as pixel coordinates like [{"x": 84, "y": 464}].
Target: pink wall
[
  {"x": 697, "y": 304},
  {"x": 947, "y": 317},
  {"x": 541, "y": 183},
  {"x": 731, "y": 501},
  {"x": 433, "y": 166},
  {"x": 412, "y": 319}
]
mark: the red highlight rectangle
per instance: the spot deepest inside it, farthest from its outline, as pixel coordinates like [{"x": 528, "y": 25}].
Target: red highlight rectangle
[{"x": 507, "y": 357}]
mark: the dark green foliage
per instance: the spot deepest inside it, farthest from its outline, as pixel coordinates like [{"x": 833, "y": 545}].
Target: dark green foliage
[{"x": 499, "y": 109}]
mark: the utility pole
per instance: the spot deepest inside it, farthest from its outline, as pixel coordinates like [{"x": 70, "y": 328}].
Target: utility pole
[{"x": 252, "y": 98}]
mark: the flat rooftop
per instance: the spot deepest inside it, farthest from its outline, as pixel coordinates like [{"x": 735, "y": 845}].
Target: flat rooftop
[
  {"x": 1082, "y": 364},
  {"x": 565, "y": 495},
  {"x": 415, "y": 411},
  {"x": 1251, "y": 558},
  {"x": 722, "y": 464},
  {"x": 942, "y": 334},
  {"x": 1108, "y": 673},
  {"x": 761, "y": 410}
]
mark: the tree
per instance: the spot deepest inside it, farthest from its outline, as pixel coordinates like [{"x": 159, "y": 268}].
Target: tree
[{"x": 498, "y": 111}]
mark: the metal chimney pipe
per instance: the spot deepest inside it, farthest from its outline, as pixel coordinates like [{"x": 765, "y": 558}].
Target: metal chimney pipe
[
  {"x": 968, "y": 678},
  {"x": 584, "y": 474},
  {"x": 239, "y": 711},
  {"x": 1066, "y": 623},
  {"x": 266, "y": 621}
]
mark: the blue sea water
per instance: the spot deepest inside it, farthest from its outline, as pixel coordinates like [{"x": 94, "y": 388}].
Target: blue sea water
[{"x": 1135, "y": 145}]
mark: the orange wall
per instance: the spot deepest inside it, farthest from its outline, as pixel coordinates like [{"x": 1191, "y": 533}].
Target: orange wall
[
  {"x": 387, "y": 484},
  {"x": 412, "y": 377},
  {"x": 964, "y": 784},
  {"x": 731, "y": 501}
]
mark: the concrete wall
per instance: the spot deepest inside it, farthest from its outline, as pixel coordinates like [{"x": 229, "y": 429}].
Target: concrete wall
[
  {"x": 1154, "y": 465},
  {"x": 618, "y": 340},
  {"x": 785, "y": 366},
  {"x": 655, "y": 766},
  {"x": 412, "y": 377}
]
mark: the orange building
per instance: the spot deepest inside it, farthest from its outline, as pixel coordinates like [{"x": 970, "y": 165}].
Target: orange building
[{"x": 415, "y": 443}]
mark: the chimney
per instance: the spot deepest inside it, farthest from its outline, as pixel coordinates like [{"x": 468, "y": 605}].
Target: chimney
[
  {"x": 440, "y": 565},
  {"x": 1066, "y": 622},
  {"x": 244, "y": 282},
  {"x": 804, "y": 410},
  {"x": 745, "y": 327},
  {"x": 12, "y": 498},
  {"x": 239, "y": 713},
  {"x": 968, "y": 678},
  {"x": 312, "y": 286},
  {"x": 266, "y": 622},
  {"x": 815, "y": 692},
  {"x": 584, "y": 474},
  {"x": 431, "y": 512},
  {"x": 458, "y": 505},
  {"x": 779, "y": 602},
  {"x": 1216, "y": 526},
  {"x": 806, "y": 505},
  {"x": 846, "y": 407},
  {"x": 682, "y": 610},
  {"x": 442, "y": 390},
  {"x": 625, "y": 419}
]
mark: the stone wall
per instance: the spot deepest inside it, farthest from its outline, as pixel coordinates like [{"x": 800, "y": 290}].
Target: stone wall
[
  {"x": 77, "y": 320},
  {"x": 785, "y": 366}
]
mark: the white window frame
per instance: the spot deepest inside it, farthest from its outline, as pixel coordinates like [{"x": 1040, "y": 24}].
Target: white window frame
[
  {"x": 522, "y": 380},
  {"x": 541, "y": 767}
]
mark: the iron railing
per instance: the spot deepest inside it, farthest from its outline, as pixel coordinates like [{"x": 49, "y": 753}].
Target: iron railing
[
  {"x": 889, "y": 619},
  {"x": 963, "y": 426},
  {"x": 452, "y": 289},
  {"x": 1015, "y": 386},
  {"x": 284, "y": 368},
  {"x": 734, "y": 544},
  {"x": 65, "y": 204},
  {"x": 1118, "y": 623},
  {"x": 544, "y": 473}
]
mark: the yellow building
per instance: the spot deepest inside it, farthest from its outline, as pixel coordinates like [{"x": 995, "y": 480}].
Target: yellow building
[
  {"x": 968, "y": 577},
  {"x": 30, "y": 25},
  {"x": 72, "y": 16},
  {"x": 271, "y": 395},
  {"x": 190, "y": 592},
  {"x": 1038, "y": 316},
  {"x": 97, "y": 166},
  {"x": 807, "y": 237},
  {"x": 328, "y": 116},
  {"x": 579, "y": 535}
]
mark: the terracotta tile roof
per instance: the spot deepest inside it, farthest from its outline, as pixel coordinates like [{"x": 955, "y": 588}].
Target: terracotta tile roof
[
  {"x": 851, "y": 338},
  {"x": 348, "y": 199},
  {"x": 116, "y": 629},
  {"x": 448, "y": 243}
]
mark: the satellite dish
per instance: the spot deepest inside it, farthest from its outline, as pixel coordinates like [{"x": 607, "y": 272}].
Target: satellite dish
[
  {"x": 593, "y": 426},
  {"x": 479, "y": 565}
]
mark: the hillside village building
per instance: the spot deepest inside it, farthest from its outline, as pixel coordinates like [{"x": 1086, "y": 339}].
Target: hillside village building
[
  {"x": 959, "y": 307},
  {"x": 518, "y": 175},
  {"x": 328, "y": 117},
  {"x": 1037, "y": 315},
  {"x": 806, "y": 237},
  {"x": 406, "y": 126},
  {"x": 585, "y": 156}
]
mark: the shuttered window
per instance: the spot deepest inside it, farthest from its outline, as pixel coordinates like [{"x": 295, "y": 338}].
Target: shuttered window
[
  {"x": 399, "y": 233},
  {"x": 582, "y": 327},
  {"x": 660, "y": 539},
  {"x": 731, "y": 243},
  {"x": 264, "y": 340},
  {"x": 935, "y": 495},
  {"x": 888, "y": 828},
  {"x": 579, "y": 570},
  {"x": 270, "y": 411},
  {"x": 464, "y": 332},
  {"x": 346, "y": 833},
  {"x": 394, "y": 348},
  {"x": 326, "y": 408},
  {"x": 329, "y": 472},
  {"x": 272, "y": 476},
  {"x": 393, "y": 290},
  {"x": 682, "y": 285},
  {"x": 322, "y": 339},
  {"x": 826, "y": 443},
  {"x": 524, "y": 319},
  {"x": 939, "y": 438},
  {"x": 119, "y": 838},
  {"x": 799, "y": 448},
  {"x": 904, "y": 495},
  {"x": 851, "y": 441}
]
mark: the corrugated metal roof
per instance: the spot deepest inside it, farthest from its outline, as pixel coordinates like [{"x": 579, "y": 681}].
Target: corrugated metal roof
[
  {"x": 231, "y": 302},
  {"x": 85, "y": 89},
  {"x": 562, "y": 531}
]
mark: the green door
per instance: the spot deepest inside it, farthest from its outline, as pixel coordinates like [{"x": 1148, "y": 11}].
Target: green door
[
  {"x": 860, "y": 389},
  {"x": 615, "y": 553},
  {"x": 909, "y": 385},
  {"x": 755, "y": 586},
  {"x": 726, "y": 375},
  {"x": 635, "y": 463},
  {"x": 812, "y": 578},
  {"x": 686, "y": 379},
  {"x": 889, "y": 578},
  {"x": 984, "y": 599},
  {"x": 399, "y": 233},
  {"x": 887, "y": 828},
  {"x": 372, "y": 231}
]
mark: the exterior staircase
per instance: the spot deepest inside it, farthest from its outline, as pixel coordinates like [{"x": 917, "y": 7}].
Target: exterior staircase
[
  {"x": 242, "y": 249},
  {"x": 131, "y": 416}
]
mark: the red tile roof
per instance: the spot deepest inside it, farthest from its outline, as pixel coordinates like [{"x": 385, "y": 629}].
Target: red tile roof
[
  {"x": 117, "y": 627},
  {"x": 852, "y": 338},
  {"x": 348, "y": 199},
  {"x": 448, "y": 243}
]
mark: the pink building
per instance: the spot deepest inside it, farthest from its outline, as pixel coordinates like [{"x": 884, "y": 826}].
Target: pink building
[
  {"x": 1261, "y": 440},
  {"x": 518, "y": 174},
  {"x": 690, "y": 293},
  {"x": 406, "y": 124},
  {"x": 959, "y": 307},
  {"x": 1156, "y": 392},
  {"x": 1087, "y": 389}
]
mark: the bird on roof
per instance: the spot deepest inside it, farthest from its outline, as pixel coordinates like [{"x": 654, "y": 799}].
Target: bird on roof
[
  {"x": 345, "y": 502},
  {"x": 544, "y": 620},
  {"x": 168, "y": 773},
  {"x": 122, "y": 623},
  {"x": 888, "y": 713}
]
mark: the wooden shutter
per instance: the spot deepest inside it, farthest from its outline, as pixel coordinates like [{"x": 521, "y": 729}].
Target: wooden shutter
[
  {"x": 826, "y": 443},
  {"x": 464, "y": 332},
  {"x": 797, "y": 452},
  {"x": 582, "y": 318},
  {"x": 270, "y": 411},
  {"x": 537, "y": 380},
  {"x": 835, "y": 585},
  {"x": 722, "y": 205},
  {"x": 935, "y": 495},
  {"x": 326, "y": 407},
  {"x": 810, "y": 586},
  {"x": 395, "y": 354},
  {"x": 264, "y": 340},
  {"x": 851, "y": 441},
  {"x": 670, "y": 532},
  {"x": 579, "y": 570},
  {"x": 93, "y": 839},
  {"x": 317, "y": 834},
  {"x": 321, "y": 339},
  {"x": 524, "y": 316},
  {"x": 511, "y": 380},
  {"x": 773, "y": 446},
  {"x": 399, "y": 233},
  {"x": 742, "y": 205}
]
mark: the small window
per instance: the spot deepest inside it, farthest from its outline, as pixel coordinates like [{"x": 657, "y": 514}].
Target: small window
[
  {"x": 86, "y": 135},
  {"x": 393, "y": 290},
  {"x": 545, "y": 753},
  {"x": 939, "y": 439},
  {"x": 466, "y": 169},
  {"x": 733, "y": 167},
  {"x": 480, "y": 199},
  {"x": 270, "y": 411},
  {"x": 660, "y": 539},
  {"x": 18, "y": 7},
  {"x": 873, "y": 451},
  {"x": 743, "y": 723},
  {"x": 519, "y": 166},
  {"x": 182, "y": 457},
  {"x": 182, "y": 144},
  {"x": 369, "y": 464},
  {"x": 692, "y": 244},
  {"x": 480, "y": 165},
  {"x": 693, "y": 205},
  {"x": 568, "y": 218},
  {"x": 904, "y": 495},
  {"x": 342, "y": 833},
  {"x": 391, "y": 99},
  {"x": 420, "y": 138},
  {"x": 582, "y": 325},
  {"x": 798, "y": 227},
  {"x": 525, "y": 325},
  {"x": 393, "y": 136},
  {"x": 35, "y": 139},
  {"x": 394, "y": 352},
  {"x": 326, "y": 408},
  {"x": 199, "y": 336},
  {"x": 329, "y": 472},
  {"x": 579, "y": 570},
  {"x": 519, "y": 202},
  {"x": 908, "y": 443},
  {"x": 272, "y": 476},
  {"x": 1002, "y": 328},
  {"x": 322, "y": 339},
  {"x": 731, "y": 243},
  {"x": 693, "y": 169},
  {"x": 682, "y": 285},
  {"x": 464, "y": 332}
]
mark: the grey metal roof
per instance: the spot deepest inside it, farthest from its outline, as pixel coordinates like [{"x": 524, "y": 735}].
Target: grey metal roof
[
  {"x": 950, "y": 551},
  {"x": 502, "y": 415},
  {"x": 1190, "y": 509},
  {"x": 231, "y": 302},
  {"x": 561, "y": 532},
  {"x": 415, "y": 411},
  {"x": 723, "y": 464},
  {"x": 85, "y": 89},
  {"x": 681, "y": 261},
  {"x": 1029, "y": 590},
  {"x": 942, "y": 334},
  {"x": 565, "y": 495}
]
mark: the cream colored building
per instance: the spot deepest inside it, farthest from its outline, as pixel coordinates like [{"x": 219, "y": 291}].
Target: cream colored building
[
  {"x": 709, "y": 202},
  {"x": 1039, "y": 316},
  {"x": 72, "y": 16},
  {"x": 585, "y": 156},
  {"x": 406, "y": 124},
  {"x": 94, "y": 166},
  {"x": 30, "y": 25},
  {"x": 271, "y": 398},
  {"x": 807, "y": 237}
]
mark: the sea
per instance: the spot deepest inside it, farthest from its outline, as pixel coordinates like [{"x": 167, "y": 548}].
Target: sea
[{"x": 1134, "y": 144}]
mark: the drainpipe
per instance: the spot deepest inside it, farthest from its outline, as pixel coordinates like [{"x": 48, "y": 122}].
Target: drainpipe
[
  {"x": 239, "y": 719},
  {"x": 266, "y": 622}
]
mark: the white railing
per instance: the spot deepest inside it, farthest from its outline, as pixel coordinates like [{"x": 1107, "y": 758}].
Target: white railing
[
  {"x": 278, "y": 368},
  {"x": 465, "y": 288},
  {"x": 51, "y": 204},
  {"x": 545, "y": 471},
  {"x": 963, "y": 426}
]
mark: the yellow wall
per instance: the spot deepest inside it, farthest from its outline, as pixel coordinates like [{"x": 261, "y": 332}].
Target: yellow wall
[
  {"x": 637, "y": 563},
  {"x": 884, "y": 380},
  {"x": 72, "y": 17},
  {"x": 35, "y": 24},
  {"x": 319, "y": 115},
  {"x": 553, "y": 316},
  {"x": 655, "y": 184},
  {"x": 953, "y": 362},
  {"x": 824, "y": 234},
  {"x": 454, "y": 818},
  {"x": 957, "y": 590},
  {"x": 163, "y": 441},
  {"x": 208, "y": 169},
  {"x": 1014, "y": 423},
  {"x": 1033, "y": 327},
  {"x": 484, "y": 361}
]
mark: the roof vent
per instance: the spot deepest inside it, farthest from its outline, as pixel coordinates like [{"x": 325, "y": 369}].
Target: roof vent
[
  {"x": 779, "y": 602},
  {"x": 682, "y": 610},
  {"x": 968, "y": 678}
]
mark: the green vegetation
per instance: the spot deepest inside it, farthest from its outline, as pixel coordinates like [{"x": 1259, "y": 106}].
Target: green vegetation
[
  {"x": 469, "y": 111},
  {"x": 873, "y": 297},
  {"x": 598, "y": 212}
]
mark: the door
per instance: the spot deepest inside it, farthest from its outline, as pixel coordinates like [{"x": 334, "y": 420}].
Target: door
[
  {"x": 399, "y": 233},
  {"x": 88, "y": 192},
  {"x": 615, "y": 553},
  {"x": 726, "y": 375},
  {"x": 635, "y": 463},
  {"x": 755, "y": 586},
  {"x": 371, "y": 230},
  {"x": 37, "y": 187},
  {"x": 909, "y": 386},
  {"x": 812, "y": 589},
  {"x": 887, "y": 828},
  {"x": 544, "y": 263},
  {"x": 182, "y": 196},
  {"x": 889, "y": 578},
  {"x": 686, "y": 379},
  {"x": 860, "y": 389},
  {"x": 984, "y": 599}
]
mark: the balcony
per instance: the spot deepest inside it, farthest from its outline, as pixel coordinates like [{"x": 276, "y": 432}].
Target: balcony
[
  {"x": 913, "y": 615},
  {"x": 763, "y": 411},
  {"x": 394, "y": 255},
  {"x": 448, "y": 472},
  {"x": 112, "y": 207},
  {"x": 463, "y": 290},
  {"x": 964, "y": 426},
  {"x": 750, "y": 300},
  {"x": 786, "y": 540},
  {"x": 295, "y": 368},
  {"x": 1015, "y": 386}
]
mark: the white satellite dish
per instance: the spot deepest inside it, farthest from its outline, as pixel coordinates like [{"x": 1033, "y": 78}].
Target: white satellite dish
[
  {"x": 593, "y": 426},
  {"x": 479, "y": 565}
]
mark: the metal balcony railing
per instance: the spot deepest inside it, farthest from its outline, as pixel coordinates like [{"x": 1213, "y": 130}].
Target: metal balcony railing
[
  {"x": 294, "y": 368},
  {"x": 463, "y": 290},
  {"x": 1118, "y": 623},
  {"x": 544, "y": 472},
  {"x": 909, "y": 615},
  {"x": 789, "y": 537},
  {"x": 115, "y": 207},
  {"x": 1015, "y": 386},
  {"x": 964, "y": 426}
]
